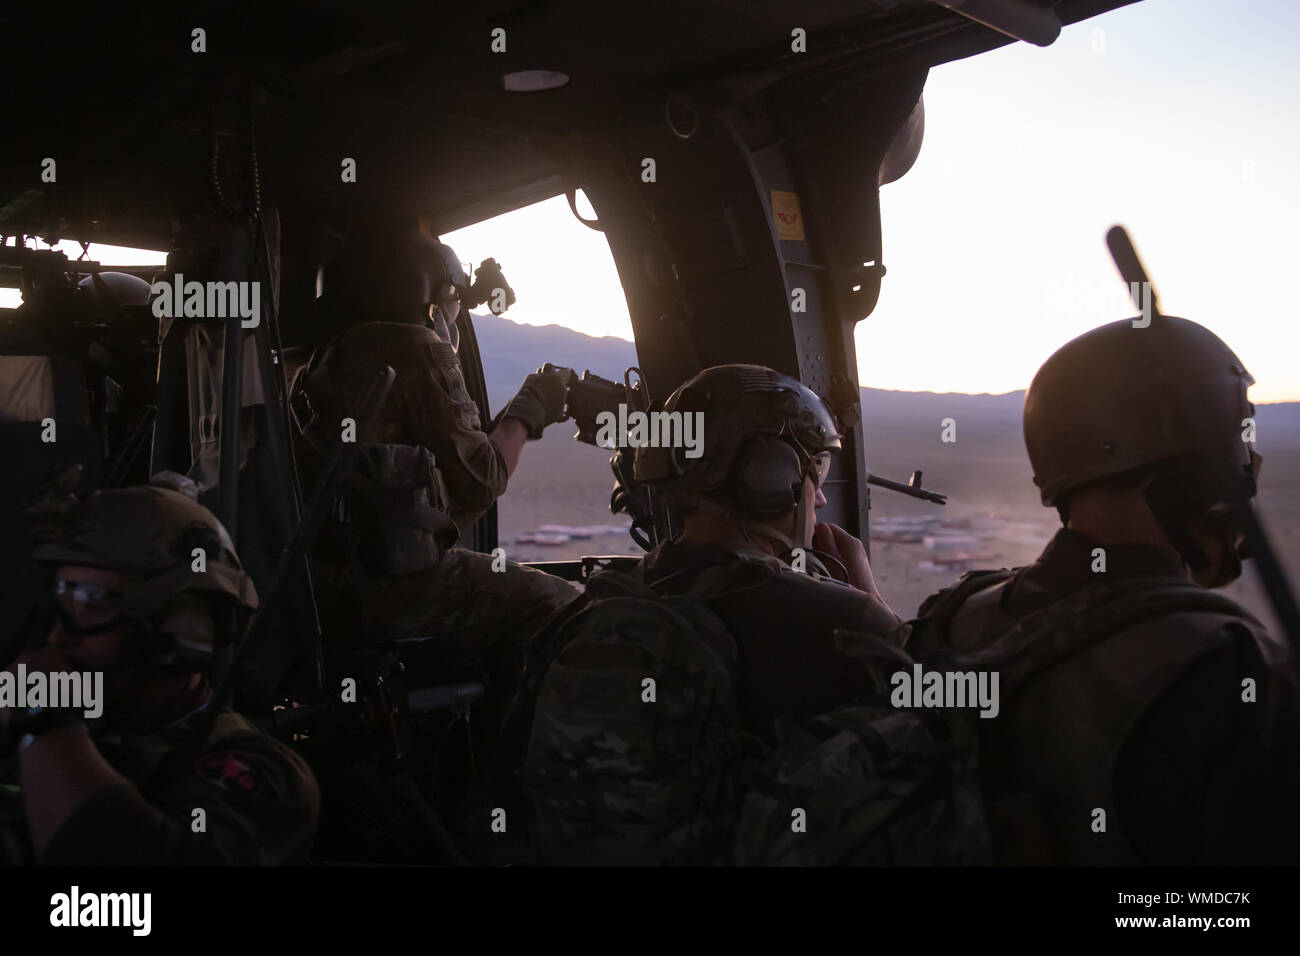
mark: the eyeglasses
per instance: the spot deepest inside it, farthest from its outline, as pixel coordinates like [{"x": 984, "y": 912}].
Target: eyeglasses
[
  {"x": 819, "y": 466},
  {"x": 87, "y": 605}
]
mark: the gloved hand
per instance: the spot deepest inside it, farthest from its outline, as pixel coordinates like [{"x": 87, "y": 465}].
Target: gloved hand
[{"x": 540, "y": 402}]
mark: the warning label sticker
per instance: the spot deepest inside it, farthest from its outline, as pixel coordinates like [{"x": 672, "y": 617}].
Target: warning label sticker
[{"x": 786, "y": 215}]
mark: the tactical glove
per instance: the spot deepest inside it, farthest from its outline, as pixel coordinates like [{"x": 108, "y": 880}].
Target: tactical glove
[{"x": 540, "y": 402}]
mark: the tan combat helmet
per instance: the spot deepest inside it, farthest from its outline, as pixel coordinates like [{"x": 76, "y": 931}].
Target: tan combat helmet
[
  {"x": 116, "y": 288},
  {"x": 1121, "y": 397},
  {"x": 152, "y": 533},
  {"x": 1165, "y": 399},
  {"x": 763, "y": 433},
  {"x": 741, "y": 404}
]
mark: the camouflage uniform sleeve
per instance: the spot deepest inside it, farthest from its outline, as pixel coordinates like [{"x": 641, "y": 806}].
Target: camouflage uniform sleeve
[
  {"x": 447, "y": 422},
  {"x": 259, "y": 800}
]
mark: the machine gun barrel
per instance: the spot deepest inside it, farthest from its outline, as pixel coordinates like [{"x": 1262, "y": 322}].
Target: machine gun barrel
[{"x": 912, "y": 488}]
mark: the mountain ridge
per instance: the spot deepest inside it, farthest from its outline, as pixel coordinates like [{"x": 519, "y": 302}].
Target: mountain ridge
[{"x": 511, "y": 350}]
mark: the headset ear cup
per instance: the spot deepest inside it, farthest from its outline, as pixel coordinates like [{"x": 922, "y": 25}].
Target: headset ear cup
[{"x": 767, "y": 478}]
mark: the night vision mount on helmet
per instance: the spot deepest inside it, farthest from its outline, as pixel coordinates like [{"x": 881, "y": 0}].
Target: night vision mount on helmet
[{"x": 396, "y": 277}]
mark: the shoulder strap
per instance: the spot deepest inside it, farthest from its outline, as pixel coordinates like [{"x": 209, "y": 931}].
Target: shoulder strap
[
  {"x": 545, "y": 645},
  {"x": 720, "y": 577},
  {"x": 930, "y": 629},
  {"x": 942, "y": 606},
  {"x": 1062, "y": 629},
  {"x": 621, "y": 584},
  {"x": 611, "y": 583},
  {"x": 307, "y": 388}
]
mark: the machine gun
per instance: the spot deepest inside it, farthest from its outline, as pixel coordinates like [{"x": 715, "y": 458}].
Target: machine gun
[
  {"x": 912, "y": 489},
  {"x": 590, "y": 396},
  {"x": 586, "y": 400}
]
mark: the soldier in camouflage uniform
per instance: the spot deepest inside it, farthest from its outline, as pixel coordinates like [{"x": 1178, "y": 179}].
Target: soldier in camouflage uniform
[
  {"x": 1152, "y": 721},
  {"x": 746, "y": 504},
  {"x": 388, "y": 566},
  {"x": 128, "y": 786},
  {"x": 646, "y": 699}
]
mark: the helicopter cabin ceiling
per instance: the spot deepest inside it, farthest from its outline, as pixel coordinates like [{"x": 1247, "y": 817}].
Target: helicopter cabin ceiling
[{"x": 415, "y": 94}]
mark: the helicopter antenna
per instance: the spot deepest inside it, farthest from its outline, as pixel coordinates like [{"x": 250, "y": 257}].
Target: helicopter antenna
[
  {"x": 1259, "y": 547},
  {"x": 1131, "y": 269}
]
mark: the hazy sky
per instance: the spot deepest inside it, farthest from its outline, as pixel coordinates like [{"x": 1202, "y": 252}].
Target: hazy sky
[{"x": 1177, "y": 118}]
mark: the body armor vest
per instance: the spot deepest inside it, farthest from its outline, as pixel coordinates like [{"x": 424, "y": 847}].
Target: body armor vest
[{"x": 1085, "y": 671}]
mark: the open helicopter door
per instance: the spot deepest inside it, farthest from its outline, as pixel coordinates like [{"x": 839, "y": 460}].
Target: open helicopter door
[{"x": 746, "y": 228}]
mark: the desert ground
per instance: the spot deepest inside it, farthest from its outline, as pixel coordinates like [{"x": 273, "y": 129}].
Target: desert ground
[{"x": 985, "y": 474}]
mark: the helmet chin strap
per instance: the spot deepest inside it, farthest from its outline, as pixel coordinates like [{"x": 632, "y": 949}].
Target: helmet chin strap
[{"x": 801, "y": 522}]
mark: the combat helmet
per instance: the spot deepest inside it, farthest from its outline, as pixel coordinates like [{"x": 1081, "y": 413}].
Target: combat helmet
[
  {"x": 150, "y": 533},
  {"x": 116, "y": 288},
  {"x": 392, "y": 277},
  {"x": 1165, "y": 401},
  {"x": 763, "y": 432}
]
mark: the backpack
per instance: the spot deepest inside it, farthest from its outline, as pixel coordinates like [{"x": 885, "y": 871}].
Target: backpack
[
  {"x": 389, "y": 514},
  {"x": 868, "y": 783},
  {"x": 636, "y": 754},
  {"x": 877, "y": 784},
  {"x": 396, "y": 499}
]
